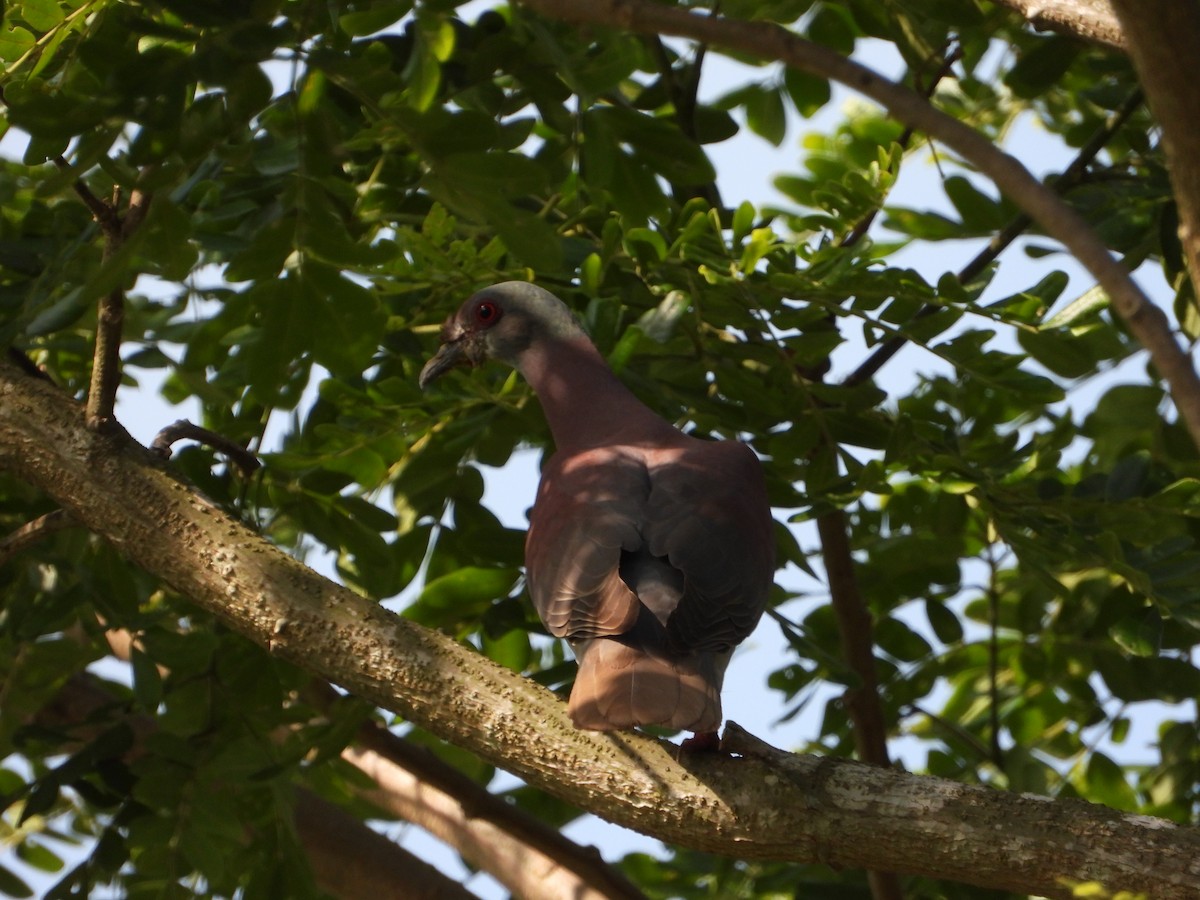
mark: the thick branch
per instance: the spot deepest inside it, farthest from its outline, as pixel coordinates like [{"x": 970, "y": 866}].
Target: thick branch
[
  {"x": 352, "y": 862},
  {"x": 767, "y": 40},
  {"x": 1088, "y": 20},
  {"x": 795, "y": 808},
  {"x": 1163, "y": 37}
]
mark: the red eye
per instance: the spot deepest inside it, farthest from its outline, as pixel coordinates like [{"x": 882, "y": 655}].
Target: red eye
[{"x": 487, "y": 313}]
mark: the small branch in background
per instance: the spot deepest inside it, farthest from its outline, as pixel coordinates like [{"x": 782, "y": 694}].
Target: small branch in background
[
  {"x": 683, "y": 98},
  {"x": 1073, "y": 175},
  {"x": 182, "y": 429},
  {"x": 858, "y": 648},
  {"x": 110, "y": 312},
  {"x": 1088, "y": 20},
  {"x": 32, "y": 532},
  {"x": 530, "y": 859},
  {"x": 354, "y": 862},
  {"x": 993, "y": 597}
]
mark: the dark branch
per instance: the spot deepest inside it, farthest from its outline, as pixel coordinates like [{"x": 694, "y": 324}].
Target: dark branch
[
  {"x": 348, "y": 858},
  {"x": 182, "y": 429},
  {"x": 478, "y": 803},
  {"x": 32, "y": 532}
]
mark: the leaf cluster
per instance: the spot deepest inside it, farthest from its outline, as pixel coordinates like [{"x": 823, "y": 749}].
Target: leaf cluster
[{"x": 329, "y": 180}]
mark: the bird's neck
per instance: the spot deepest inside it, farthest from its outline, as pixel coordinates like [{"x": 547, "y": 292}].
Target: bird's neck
[{"x": 585, "y": 403}]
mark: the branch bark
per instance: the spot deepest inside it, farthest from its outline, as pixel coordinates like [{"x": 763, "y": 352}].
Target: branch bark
[
  {"x": 1088, "y": 20},
  {"x": 780, "y": 807},
  {"x": 110, "y": 310},
  {"x": 533, "y": 861},
  {"x": 766, "y": 40},
  {"x": 524, "y": 870},
  {"x": 1163, "y": 36}
]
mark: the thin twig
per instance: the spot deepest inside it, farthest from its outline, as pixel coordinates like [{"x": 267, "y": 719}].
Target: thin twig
[
  {"x": 110, "y": 311},
  {"x": 104, "y": 214},
  {"x": 182, "y": 429},
  {"x": 683, "y": 98},
  {"x": 855, "y": 628},
  {"x": 32, "y": 532}
]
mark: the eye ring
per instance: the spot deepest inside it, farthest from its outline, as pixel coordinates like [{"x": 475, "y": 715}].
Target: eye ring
[{"x": 487, "y": 313}]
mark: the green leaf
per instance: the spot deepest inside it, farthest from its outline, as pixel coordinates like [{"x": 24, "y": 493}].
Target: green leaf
[
  {"x": 928, "y": 226},
  {"x": 463, "y": 594},
  {"x": 41, "y": 15},
  {"x": 1058, "y": 351},
  {"x": 38, "y": 856},
  {"x": 1106, "y": 783},
  {"x": 11, "y": 885},
  {"x": 15, "y": 42},
  {"x": 147, "y": 683},
  {"x": 979, "y": 212},
  {"x": 945, "y": 624},
  {"x": 1139, "y": 633},
  {"x": 502, "y": 174},
  {"x": 376, "y": 18},
  {"x": 1041, "y": 65},
  {"x": 808, "y": 92},
  {"x": 511, "y": 649},
  {"x": 765, "y": 114}
]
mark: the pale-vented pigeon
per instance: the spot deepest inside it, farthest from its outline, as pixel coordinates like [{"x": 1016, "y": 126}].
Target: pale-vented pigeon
[{"x": 650, "y": 551}]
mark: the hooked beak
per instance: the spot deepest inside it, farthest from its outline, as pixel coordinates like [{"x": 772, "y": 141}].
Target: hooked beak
[{"x": 449, "y": 355}]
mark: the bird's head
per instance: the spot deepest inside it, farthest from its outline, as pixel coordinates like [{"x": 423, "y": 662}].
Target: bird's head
[{"x": 500, "y": 322}]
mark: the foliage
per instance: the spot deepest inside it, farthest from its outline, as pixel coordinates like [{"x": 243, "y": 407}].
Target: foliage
[{"x": 329, "y": 180}]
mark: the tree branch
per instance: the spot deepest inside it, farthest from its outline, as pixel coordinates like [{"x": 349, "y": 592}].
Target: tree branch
[
  {"x": 525, "y": 871},
  {"x": 1088, "y": 20},
  {"x": 799, "y": 808},
  {"x": 856, "y": 630},
  {"x": 767, "y": 40},
  {"x": 182, "y": 429},
  {"x": 20, "y": 540},
  {"x": 518, "y": 850},
  {"x": 1163, "y": 36},
  {"x": 353, "y": 862},
  {"x": 349, "y": 859},
  {"x": 110, "y": 311}
]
